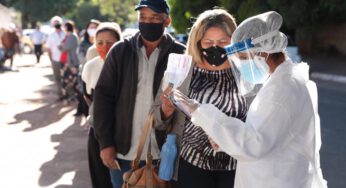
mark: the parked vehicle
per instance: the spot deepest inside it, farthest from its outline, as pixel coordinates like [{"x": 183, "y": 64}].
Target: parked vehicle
[{"x": 181, "y": 38}]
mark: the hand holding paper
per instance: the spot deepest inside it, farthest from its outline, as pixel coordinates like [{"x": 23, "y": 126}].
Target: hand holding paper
[
  {"x": 177, "y": 69},
  {"x": 183, "y": 103}
]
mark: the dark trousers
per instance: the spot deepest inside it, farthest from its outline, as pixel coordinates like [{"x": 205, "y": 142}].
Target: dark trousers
[
  {"x": 82, "y": 107},
  {"x": 38, "y": 51},
  {"x": 100, "y": 177},
  {"x": 192, "y": 176}
]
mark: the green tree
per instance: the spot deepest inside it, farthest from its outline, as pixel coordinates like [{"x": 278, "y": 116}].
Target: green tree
[
  {"x": 120, "y": 11},
  {"x": 183, "y": 12},
  {"x": 242, "y": 9},
  {"x": 38, "y": 10},
  {"x": 86, "y": 10},
  {"x": 296, "y": 13}
]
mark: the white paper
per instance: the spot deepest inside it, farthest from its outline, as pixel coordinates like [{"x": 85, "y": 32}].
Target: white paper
[{"x": 178, "y": 67}]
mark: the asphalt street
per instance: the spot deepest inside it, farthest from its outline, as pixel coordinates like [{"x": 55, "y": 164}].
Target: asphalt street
[
  {"x": 44, "y": 145},
  {"x": 330, "y": 76}
]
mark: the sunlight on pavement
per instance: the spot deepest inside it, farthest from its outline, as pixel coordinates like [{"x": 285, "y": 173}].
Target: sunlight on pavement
[{"x": 43, "y": 144}]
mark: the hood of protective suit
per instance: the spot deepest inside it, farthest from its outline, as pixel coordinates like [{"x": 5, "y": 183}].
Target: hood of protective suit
[{"x": 258, "y": 26}]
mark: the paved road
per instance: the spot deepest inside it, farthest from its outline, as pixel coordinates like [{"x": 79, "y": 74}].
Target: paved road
[
  {"x": 44, "y": 145},
  {"x": 332, "y": 109}
]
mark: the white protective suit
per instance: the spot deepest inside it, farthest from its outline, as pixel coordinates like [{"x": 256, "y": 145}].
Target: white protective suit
[{"x": 278, "y": 145}]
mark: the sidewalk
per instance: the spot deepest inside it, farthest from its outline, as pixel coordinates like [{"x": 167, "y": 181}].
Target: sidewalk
[
  {"x": 327, "y": 68},
  {"x": 43, "y": 144}
]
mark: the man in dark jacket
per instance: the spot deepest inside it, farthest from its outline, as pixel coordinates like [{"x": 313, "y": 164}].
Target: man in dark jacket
[{"x": 128, "y": 85}]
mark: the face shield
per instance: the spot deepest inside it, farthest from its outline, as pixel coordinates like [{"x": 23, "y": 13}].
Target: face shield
[{"x": 249, "y": 66}]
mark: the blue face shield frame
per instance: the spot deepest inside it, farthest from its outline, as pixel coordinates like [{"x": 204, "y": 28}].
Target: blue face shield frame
[
  {"x": 248, "y": 67},
  {"x": 239, "y": 46}
]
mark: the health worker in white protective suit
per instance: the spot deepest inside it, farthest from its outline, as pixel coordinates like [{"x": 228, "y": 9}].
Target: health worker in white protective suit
[{"x": 278, "y": 145}]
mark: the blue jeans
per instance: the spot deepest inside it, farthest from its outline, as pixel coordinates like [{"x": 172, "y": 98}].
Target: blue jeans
[{"x": 117, "y": 175}]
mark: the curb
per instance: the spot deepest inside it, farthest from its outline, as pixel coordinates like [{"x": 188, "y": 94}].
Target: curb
[{"x": 329, "y": 77}]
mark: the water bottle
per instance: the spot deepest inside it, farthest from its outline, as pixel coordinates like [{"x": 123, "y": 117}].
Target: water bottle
[{"x": 168, "y": 155}]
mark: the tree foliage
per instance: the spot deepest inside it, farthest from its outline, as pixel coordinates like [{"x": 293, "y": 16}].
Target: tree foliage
[
  {"x": 183, "y": 12},
  {"x": 38, "y": 10},
  {"x": 296, "y": 13},
  {"x": 84, "y": 13},
  {"x": 81, "y": 11},
  {"x": 120, "y": 11}
]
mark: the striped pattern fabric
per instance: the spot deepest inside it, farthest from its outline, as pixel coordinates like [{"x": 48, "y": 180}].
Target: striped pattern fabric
[{"x": 217, "y": 88}]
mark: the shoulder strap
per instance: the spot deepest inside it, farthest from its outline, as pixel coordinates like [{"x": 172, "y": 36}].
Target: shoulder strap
[{"x": 147, "y": 129}]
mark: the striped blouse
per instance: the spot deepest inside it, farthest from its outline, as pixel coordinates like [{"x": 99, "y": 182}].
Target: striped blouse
[{"x": 217, "y": 88}]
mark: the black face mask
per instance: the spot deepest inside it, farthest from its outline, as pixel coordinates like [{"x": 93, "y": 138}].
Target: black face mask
[
  {"x": 151, "y": 31},
  {"x": 214, "y": 55},
  {"x": 57, "y": 26}
]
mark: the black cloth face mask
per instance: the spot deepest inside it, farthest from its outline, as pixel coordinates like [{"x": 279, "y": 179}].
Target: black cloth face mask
[
  {"x": 214, "y": 55},
  {"x": 57, "y": 26},
  {"x": 151, "y": 31}
]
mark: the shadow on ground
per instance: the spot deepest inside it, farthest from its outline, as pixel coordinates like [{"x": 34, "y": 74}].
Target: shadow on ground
[
  {"x": 71, "y": 157},
  {"x": 52, "y": 111}
]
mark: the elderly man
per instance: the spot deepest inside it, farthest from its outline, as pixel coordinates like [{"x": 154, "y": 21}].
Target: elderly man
[
  {"x": 53, "y": 41},
  {"x": 128, "y": 85}
]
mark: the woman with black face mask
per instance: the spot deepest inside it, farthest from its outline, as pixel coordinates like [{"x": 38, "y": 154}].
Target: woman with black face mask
[{"x": 210, "y": 80}]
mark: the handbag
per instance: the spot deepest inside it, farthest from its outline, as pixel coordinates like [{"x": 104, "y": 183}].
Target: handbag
[
  {"x": 64, "y": 54},
  {"x": 146, "y": 176},
  {"x": 63, "y": 57}
]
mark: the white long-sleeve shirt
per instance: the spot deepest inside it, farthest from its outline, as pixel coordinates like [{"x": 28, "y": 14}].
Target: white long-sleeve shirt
[
  {"x": 278, "y": 145},
  {"x": 53, "y": 41},
  {"x": 37, "y": 37}
]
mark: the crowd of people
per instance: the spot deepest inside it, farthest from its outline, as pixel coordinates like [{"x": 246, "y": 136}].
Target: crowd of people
[{"x": 245, "y": 115}]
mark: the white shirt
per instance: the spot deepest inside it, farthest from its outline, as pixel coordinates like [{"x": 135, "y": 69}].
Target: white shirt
[
  {"x": 144, "y": 101},
  {"x": 278, "y": 145},
  {"x": 91, "y": 73},
  {"x": 37, "y": 37},
  {"x": 53, "y": 41}
]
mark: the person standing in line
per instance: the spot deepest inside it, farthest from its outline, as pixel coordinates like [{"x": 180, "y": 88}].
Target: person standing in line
[
  {"x": 105, "y": 36},
  {"x": 38, "y": 38},
  {"x": 210, "y": 81},
  {"x": 87, "y": 41},
  {"x": 69, "y": 71},
  {"x": 53, "y": 41},
  {"x": 127, "y": 86}
]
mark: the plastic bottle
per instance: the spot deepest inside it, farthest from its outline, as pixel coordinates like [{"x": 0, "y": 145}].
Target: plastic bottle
[{"x": 168, "y": 155}]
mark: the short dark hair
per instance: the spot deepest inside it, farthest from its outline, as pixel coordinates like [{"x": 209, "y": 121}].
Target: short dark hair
[
  {"x": 69, "y": 26},
  {"x": 277, "y": 57}
]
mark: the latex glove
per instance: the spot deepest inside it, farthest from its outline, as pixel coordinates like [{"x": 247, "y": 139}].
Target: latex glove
[{"x": 183, "y": 103}]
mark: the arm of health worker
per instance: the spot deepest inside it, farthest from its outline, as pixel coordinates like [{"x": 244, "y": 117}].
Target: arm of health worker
[{"x": 266, "y": 129}]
